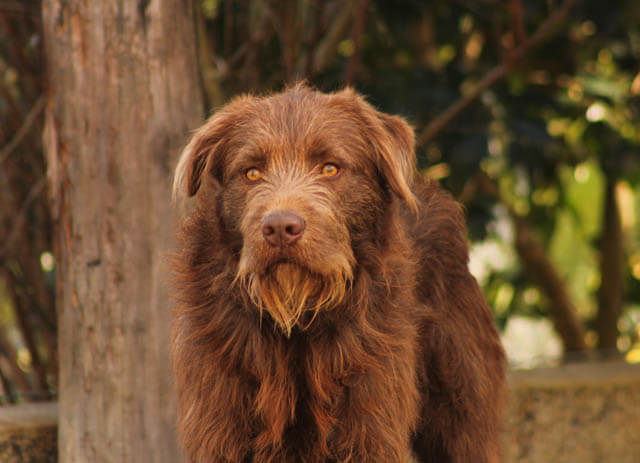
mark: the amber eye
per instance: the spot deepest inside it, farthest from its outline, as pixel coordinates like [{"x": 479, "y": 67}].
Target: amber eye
[
  {"x": 330, "y": 170},
  {"x": 253, "y": 174}
]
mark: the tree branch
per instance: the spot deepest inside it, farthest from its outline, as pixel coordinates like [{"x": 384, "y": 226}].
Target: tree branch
[
  {"x": 318, "y": 27},
  {"x": 359, "y": 17},
  {"x": 517, "y": 20},
  {"x": 19, "y": 7},
  {"x": 542, "y": 272},
  {"x": 611, "y": 270},
  {"x": 31, "y": 117},
  {"x": 21, "y": 218},
  {"x": 540, "y": 35},
  {"x": 325, "y": 50}
]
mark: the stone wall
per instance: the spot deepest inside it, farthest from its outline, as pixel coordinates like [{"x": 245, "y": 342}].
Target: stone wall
[
  {"x": 580, "y": 413},
  {"x": 28, "y": 433}
]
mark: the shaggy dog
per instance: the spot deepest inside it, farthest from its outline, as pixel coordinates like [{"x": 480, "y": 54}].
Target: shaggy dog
[{"x": 325, "y": 311}]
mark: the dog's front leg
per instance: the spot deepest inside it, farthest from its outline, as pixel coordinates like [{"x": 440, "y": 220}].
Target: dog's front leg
[
  {"x": 215, "y": 420},
  {"x": 371, "y": 430}
]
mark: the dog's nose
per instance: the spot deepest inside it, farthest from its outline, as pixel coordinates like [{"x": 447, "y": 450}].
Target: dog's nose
[{"x": 282, "y": 228}]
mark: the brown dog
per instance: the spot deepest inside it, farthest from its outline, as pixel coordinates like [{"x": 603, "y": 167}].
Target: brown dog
[{"x": 325, "y": 310}]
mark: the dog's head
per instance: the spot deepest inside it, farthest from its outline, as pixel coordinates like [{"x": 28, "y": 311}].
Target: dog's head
[{"x": 299, "y": 178}]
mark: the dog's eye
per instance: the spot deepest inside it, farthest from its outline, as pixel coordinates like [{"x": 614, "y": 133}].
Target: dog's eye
[
  {"x": 330, "y": 170},
  {"x": 253, "y": 174}
]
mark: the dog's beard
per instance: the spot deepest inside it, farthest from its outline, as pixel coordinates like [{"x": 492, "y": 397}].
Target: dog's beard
[{"x": 293, "y": 295}]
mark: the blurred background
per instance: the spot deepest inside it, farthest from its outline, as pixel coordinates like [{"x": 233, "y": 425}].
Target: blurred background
[{"x": 528, "y": 111}]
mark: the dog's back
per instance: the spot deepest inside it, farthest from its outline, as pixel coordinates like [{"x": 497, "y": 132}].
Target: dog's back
[{"x": 463, "y": 357}]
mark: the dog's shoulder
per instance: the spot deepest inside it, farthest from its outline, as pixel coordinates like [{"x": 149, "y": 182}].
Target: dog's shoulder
[
  {"x": 439, "y": 217},
  {"x": 438, "y": 232}
]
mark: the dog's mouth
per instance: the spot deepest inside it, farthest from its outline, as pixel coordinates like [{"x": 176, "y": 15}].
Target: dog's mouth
[{"x": 293, "y": 294}]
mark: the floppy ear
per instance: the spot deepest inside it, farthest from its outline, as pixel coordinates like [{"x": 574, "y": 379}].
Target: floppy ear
[
  {"x": 205, "y": 151},
  {"x": 396, "y": 156},
  {"x": 393, "y": 140},
  {"x": 199, "y": 152}
]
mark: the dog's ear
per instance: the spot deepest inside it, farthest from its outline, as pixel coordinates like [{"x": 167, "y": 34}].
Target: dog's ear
[
  {"x": 204, "y": 146},
  {"x": 396, "y": 155},
  {"x": 393, "y": 141},
  {"x": 206, "y": 150}
]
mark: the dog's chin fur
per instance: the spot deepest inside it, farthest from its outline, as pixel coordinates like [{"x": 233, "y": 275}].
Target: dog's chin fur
[{"x": 292, "y": 294}]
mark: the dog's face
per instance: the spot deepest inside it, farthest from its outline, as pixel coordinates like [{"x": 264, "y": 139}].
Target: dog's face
[{"x": 298, "y": 179}]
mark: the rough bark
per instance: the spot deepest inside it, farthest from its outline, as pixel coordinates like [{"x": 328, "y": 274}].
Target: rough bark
[
  {"x": 611, "y": 268},
  {"x": 123, "y": 95}
]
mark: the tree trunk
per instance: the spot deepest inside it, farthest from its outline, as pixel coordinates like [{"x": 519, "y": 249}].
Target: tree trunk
[
  {"x": 123, "y": 95},
  {"x": 541, "y": 271},
  {"x": 539, "y": 268},
  {"x": 611, "y": 268}
]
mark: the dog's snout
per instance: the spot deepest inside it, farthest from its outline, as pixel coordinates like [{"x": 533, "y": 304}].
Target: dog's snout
[{"x": 282, "y": 228}]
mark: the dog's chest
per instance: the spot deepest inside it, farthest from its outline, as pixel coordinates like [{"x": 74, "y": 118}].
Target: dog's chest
[{"x": 310, "y": 392}]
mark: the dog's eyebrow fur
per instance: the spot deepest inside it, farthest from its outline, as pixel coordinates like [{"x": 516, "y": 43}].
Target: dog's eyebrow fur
[
  {"x": 248, "y": 158},
  {"x": 290, "y": 122}
]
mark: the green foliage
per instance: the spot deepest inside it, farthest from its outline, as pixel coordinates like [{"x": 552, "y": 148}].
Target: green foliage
[
  {"x": 539, "y": 145},
  {"x": 549, "y": 135}
]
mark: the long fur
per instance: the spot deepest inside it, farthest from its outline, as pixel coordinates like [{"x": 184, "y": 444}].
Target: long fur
[{"x": 367, "y": 341}]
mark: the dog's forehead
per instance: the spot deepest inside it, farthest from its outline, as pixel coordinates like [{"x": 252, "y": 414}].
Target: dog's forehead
[{"x": 297, "y": 126}]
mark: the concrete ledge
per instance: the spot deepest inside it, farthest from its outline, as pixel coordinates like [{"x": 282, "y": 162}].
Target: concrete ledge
[
  {"x": 578, "y": 413},
  {"x": 592, "y": 374},
  {"x": 28, "y": 433}
]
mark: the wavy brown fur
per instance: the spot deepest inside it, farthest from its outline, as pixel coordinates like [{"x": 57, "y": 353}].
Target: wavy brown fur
[{"x": 367, "y": 340}]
